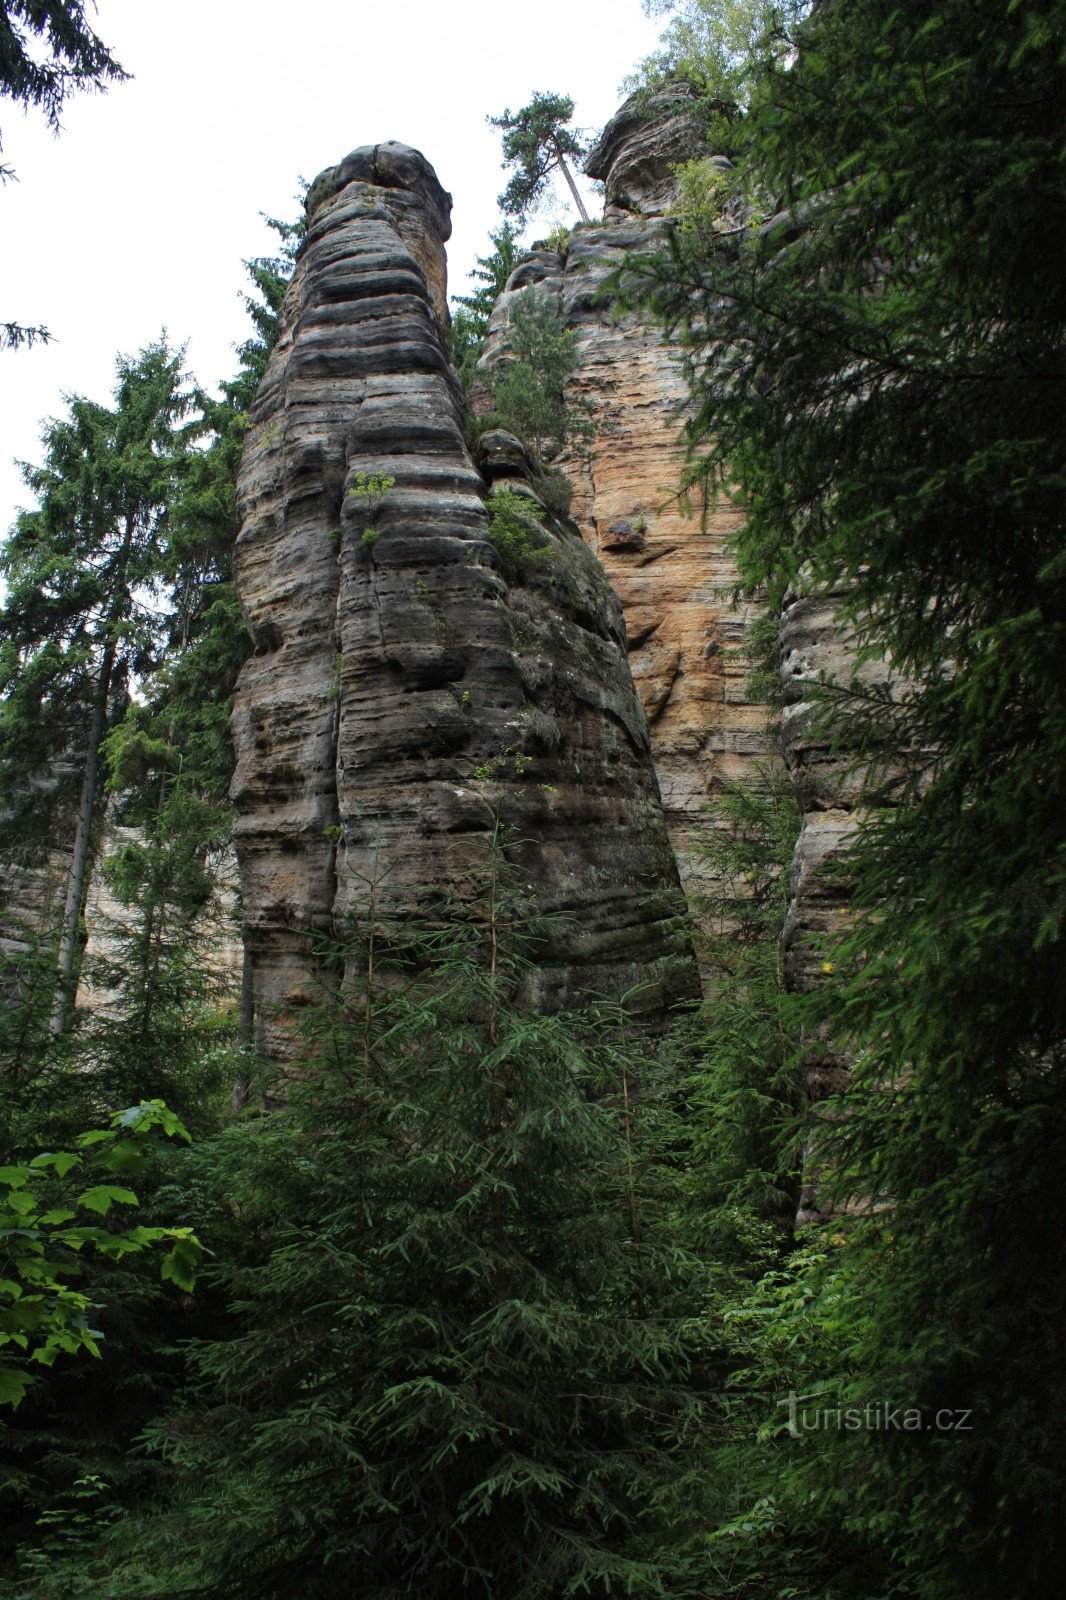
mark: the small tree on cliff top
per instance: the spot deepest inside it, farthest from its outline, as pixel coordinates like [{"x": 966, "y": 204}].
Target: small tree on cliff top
[{"x": 536, "y": 143}]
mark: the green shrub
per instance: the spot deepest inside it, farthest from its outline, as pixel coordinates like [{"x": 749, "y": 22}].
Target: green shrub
[{"x": 512, "y": 526}]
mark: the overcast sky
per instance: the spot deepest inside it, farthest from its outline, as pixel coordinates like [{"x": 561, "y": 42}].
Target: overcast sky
[{"x": 138, "y": 216}]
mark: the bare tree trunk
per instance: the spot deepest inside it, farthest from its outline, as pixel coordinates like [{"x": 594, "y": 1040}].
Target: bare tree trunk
[
  {"x": 568, "y": 175},
  {"x": 77, "y": 884},
  {"x": 79, "y": 865}
]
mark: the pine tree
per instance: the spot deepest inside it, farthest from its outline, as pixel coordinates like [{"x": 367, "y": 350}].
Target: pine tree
[
  {"x": 876, "y": 354},
  {"x": 537, "y": 142},
  {"x": 459, "y": 1359}
]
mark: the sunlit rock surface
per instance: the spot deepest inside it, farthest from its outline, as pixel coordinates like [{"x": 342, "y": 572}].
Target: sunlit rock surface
[{"x": 671, "y": 570}]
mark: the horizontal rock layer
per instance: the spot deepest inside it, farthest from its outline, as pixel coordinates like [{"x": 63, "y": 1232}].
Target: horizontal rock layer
[
  {"x": 405, "y": 692},
  {"x": 673, "y": 573},
  {"x": 636, "y": 154}
]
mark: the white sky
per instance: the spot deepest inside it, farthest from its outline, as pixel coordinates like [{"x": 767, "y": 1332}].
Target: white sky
[{"x": 138, "y": 216}]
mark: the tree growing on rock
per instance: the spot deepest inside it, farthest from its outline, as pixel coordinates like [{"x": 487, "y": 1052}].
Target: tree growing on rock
[
  {"x": 529, "y": 390},
  {"x": 536, "y": 142},
  {"x": 718, "y": 45},
  {"x": 470, "y": 321}
]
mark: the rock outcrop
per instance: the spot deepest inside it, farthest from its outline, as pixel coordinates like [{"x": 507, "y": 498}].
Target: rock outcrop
[
  {"x": 29, "y": 899},
  {"x": 408, "y": 687},
  {"x": 672, "y": 572},
  {"x": 835, "y": 789},
  {"x": 637, "y": 153}
]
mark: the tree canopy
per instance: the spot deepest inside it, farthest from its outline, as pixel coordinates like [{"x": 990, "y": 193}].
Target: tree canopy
[
  {"x": 47, "y": 52},
  {"x": 876, "y": 355},
  {"x": 536, "y": 142},
  {"x": 719, "y": 45},
  {"x": 73, "y": 57}
]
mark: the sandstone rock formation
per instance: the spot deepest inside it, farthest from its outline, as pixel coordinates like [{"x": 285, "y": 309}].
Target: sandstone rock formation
[
  {"x": 834, "y": 789},
  {"x": 405, "y": 689},
  {"x": 215, "y": 927},
  {"x": 672, "y": 573},
  {"x": 29, "y": 899}
]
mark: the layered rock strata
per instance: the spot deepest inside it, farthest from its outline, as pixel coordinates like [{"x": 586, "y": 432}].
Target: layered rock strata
[
  {"x": 409, "y": 688},
  {"x": 671, "y": 570},
  {"x": 214, "y": 928}
]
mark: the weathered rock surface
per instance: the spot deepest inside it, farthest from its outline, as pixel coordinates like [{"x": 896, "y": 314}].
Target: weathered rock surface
[
  {"x": 673, "y": 576},
  {"x": 108, "y": 920},
  {"x": 404, "y": 690},
  {"x": 834, "y": 791},
  {"x": 637, "y": 151}
]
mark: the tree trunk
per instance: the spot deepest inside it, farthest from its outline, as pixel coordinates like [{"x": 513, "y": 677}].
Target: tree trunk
[
  {"x": 66, "y": 966},
  {"x": 79, "y": 866},
  {"x": 568, "y": 175}
]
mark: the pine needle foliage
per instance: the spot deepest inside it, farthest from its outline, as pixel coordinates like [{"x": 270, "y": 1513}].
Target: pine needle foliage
[
  {"x": 537, "y": 141},
  {"x": 876, "y": 359},
  {"x": 461, "y": 1358},
  {"x": 528, "y": 383}
]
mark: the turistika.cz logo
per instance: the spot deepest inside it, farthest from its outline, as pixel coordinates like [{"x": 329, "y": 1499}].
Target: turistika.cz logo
[{"x": 808, "y": 1413}]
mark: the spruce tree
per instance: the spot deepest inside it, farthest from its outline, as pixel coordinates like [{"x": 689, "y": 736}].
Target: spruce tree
[
  {"x": 80, "y": 620},
  {"x": 47, "y": 52},
  {"x": 459, "y": 1359},
  {"x": 165, "y": 1018},
  {"x": 876, "y": 357},
  {"x": 470, "y": 321},
  {"x": 528, "y": 383}
]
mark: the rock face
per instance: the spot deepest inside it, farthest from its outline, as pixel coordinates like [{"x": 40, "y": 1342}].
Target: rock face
[
  {"x": 673, "y": 575},
  {"x": 216, "y": 927},
  {"x": 408, "y": 686},
  {"x": 637, "y": 151},
  {"x": 834, "y": 791}
]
